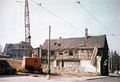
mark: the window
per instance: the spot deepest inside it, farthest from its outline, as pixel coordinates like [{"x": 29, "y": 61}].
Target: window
[
  {"x": 23, "y": 47},
  {"x": 52, "y": 52},
  {"x": 70, "y": 53},
  {"x": 44, "y": 53},
  {"x": 55, "y": 43},
  {"x": 59, "y": 44},
  {"x": 60, "y": 53},
  {"x": 62, "y": 63}
]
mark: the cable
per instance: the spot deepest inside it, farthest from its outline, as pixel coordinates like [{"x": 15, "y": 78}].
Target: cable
[
  {"x": 79, "y": 1},
  {"x": 56, "y": 15},
  {"x": 98, "y": 21}
]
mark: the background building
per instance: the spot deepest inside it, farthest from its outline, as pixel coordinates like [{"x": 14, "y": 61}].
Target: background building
[
  {"x": 16, "y": 51},
  {"x": 113, "y": 62}
]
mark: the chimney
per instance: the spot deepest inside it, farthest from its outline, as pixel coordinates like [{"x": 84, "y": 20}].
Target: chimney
[
  {"x": 40, "y": 52},
  {"x": 86, "y": 33}
]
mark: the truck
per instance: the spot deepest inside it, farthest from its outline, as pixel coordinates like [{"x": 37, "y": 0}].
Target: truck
[{"x": 31, "y": 65}]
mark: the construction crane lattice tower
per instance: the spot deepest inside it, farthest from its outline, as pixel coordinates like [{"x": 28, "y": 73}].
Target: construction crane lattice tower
[
  {"x": 27, "y": 28},
  {"x": 27, "y": 23}
]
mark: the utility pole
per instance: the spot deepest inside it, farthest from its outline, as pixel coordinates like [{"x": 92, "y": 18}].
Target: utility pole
[
  {"x": 48, "y": 70},
  {"x": 27, "y": 29},
  {"x": 111, "y": 65}
]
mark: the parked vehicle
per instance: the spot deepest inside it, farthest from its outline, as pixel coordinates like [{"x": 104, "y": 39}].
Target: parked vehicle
[{"x": 32, "y": 65}]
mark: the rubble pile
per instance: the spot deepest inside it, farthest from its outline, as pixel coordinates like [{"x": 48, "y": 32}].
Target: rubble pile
[{"x": 68, "y": 71}]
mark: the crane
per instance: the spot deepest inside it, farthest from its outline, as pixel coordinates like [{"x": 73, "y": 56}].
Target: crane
[{"x": 27, "y": 29}]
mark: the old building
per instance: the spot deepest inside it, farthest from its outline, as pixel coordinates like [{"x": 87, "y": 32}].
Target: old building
[
  {"x": 81, "y": 55},
  {"x": 16, "y": 51},
  {"x": 113, "y": 62}
]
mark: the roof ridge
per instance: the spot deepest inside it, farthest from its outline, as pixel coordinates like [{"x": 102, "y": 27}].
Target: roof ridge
[{"x": 78, "y": 37}]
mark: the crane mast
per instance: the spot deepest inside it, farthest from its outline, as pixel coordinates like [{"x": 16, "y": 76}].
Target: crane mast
[{"x": 27, "y": 28}]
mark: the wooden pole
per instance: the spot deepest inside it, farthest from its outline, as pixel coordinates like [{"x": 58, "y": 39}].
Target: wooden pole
[{"x": 48, "y": 70}]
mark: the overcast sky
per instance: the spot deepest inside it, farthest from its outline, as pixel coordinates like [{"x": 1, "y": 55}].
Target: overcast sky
[{"x": 66, "y": 17}]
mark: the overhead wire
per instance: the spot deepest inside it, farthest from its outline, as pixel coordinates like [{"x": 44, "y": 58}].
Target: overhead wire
[
  {"x": 98, "y": 21},
  {"x": 60, "y": 18}
]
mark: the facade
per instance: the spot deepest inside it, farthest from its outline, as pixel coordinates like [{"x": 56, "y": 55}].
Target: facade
[
  {"x": 113, "y": 62},
  {"x": 16, "y": 51},
  {"x": 87, "y": 54}
]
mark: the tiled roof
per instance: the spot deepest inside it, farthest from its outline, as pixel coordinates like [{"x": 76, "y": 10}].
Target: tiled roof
[{"x": 81, "y": 42}]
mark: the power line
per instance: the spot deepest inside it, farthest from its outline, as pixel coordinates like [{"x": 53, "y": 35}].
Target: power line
[
  {"x": 56, "y": 16},
  {"x": 78, "y": 1},
  {"x": 113, "y": 34},
  {"x": 98, "y": 21}
]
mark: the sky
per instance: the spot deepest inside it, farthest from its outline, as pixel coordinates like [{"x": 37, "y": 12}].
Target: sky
[{"x": 66, "y": 18}]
